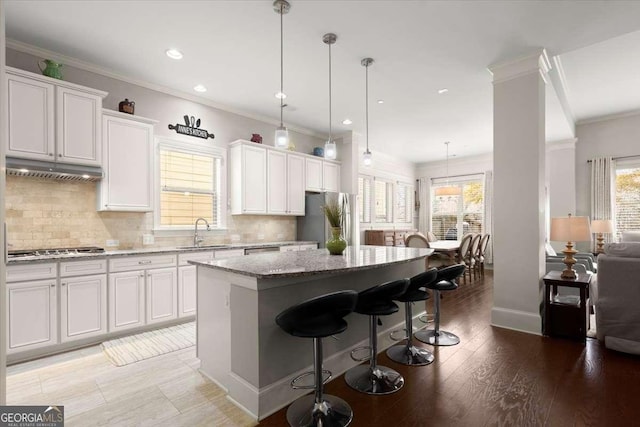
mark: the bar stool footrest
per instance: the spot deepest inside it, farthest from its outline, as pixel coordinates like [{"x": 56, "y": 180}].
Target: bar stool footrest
[
  {"x": 361, "y": 359},
  {"x": 294, "y": 382}
]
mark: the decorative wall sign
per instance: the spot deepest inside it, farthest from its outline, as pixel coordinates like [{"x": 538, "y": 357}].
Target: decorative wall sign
[{"x": 191, "y": 128}]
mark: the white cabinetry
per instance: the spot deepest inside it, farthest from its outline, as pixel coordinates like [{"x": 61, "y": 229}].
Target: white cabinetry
[
  {"x": 322, "y": 175},
  {"x": 127, "y": 291},
  {"x": 53, "y": 120},
  {"x": 83, "y": 299},
  {"x": 32, "y": 307},
  {"x": 187, "y": 281},
  {"x": 295, "y": 248},
  {"x": 128, "y": 163},
  {"x": 285, "y": 186},
  {"x": 248, "y": 179}
]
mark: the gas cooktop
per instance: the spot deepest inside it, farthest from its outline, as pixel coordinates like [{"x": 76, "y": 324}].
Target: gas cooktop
[{"x": 55, "y": 251}]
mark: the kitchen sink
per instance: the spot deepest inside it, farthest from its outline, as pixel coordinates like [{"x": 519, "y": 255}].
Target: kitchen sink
[{"x": 202, "y": 247}]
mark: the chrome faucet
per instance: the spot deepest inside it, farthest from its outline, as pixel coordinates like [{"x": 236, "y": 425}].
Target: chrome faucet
[{"x": 197, "y": 239}]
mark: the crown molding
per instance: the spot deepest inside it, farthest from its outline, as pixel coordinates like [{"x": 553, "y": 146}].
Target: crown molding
[
  {"x": 559, "y": 83},
  {"x": 536, "y": 62},
  {"x": 608, "y": 117},
  {"x": 561, "y": 144},
  {"x": 96, "y": 69}
]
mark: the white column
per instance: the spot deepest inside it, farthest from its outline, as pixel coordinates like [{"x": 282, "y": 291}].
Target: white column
[{"x": 519, "y": 193}]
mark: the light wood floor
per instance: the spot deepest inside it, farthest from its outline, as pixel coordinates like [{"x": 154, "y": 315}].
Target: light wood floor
[{"x": 493, "y": 377}]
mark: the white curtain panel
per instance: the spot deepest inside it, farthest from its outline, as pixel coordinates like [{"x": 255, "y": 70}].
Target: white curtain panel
[
  {"x": 602, "y": 194},
  {"x": 424, "y": 215},
  {"x": 488, "y": 214}
]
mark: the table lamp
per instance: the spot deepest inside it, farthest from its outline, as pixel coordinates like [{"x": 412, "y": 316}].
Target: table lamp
[
  {"x": 570, "y": 229},
  {"x": 601, "y": 226}
]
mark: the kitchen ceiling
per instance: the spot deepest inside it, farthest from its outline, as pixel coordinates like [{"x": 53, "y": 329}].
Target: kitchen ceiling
[{"x": 419, "y": 47}]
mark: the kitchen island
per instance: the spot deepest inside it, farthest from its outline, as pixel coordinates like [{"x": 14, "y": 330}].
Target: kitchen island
[{"x": 238, "y": 342}]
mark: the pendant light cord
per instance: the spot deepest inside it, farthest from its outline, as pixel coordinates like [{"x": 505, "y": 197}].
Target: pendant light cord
[
  {"x": 281, "y": 63},
  {"x": 330, "y": 139},
  {"x": 366, "y": 79}
]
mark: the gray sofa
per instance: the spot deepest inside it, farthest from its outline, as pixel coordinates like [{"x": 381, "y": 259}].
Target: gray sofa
[{"x": 618, "y": 301}]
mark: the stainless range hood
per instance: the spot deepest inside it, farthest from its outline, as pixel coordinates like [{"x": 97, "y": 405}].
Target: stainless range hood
[{"x": 51, "y": 170}]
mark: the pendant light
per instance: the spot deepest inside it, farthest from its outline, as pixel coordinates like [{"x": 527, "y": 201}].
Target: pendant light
[
  {"x": 282, "y": 134},
  {"x": 366, "y": 156},
  {"x": 448, "y": 190},
  {"x": 330, "y": 147}
]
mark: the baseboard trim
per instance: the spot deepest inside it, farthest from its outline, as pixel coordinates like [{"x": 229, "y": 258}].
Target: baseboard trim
[{"x": 516, "y": 320}]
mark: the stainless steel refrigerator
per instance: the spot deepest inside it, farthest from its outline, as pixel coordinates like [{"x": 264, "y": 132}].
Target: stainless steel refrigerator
[{"x": 314, "y": 225}]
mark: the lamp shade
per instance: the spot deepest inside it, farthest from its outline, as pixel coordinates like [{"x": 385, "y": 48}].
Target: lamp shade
[
  {"x": 602, "y": 226},
  {"x": 570, "y": 229},
  {"x": 450, "y": 190}
]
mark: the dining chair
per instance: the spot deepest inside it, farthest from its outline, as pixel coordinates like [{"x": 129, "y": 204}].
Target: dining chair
[
  {"x": 471, "y": 263},
  {"x": 419, "y": 240},
  {"x": 465, "y": 245},
  {"x": 482, "y": 250}
]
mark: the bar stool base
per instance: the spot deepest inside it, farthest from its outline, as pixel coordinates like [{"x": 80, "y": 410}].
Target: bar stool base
[
  {"x": 410, "y": 356},
  {"x": 332, "y": 412},
  {"x": 443, "y": 338},
  {"x": 382, "y": 380}
]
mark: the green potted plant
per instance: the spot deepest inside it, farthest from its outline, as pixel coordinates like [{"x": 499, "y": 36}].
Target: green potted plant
[{"x": 333, "y": 211}]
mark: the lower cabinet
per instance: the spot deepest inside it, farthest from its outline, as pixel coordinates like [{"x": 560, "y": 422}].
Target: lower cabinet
[
  {"x": 32, "y": 315},
  {"x": 126, "y": 296},
  {"x": 187, "y": 291},
  {"x": 162, "y": 295},
  {"x": 83, "y": 307}
]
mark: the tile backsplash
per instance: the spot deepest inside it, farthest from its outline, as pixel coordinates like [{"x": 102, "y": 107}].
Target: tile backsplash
[{"x": 43, "y": 213}]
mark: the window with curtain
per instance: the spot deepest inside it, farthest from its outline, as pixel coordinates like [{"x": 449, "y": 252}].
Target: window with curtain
[
  {"x": 404, "y": 202},
  {"x": 364, "y": 198},
  {"x": 383, "y": 196},
  {"x": 627, "y": 210},
  {"x": 189, "y": 187},
  {"x": 454, "y": 216}
]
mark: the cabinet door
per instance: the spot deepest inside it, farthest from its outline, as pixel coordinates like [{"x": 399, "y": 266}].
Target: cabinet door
[
  {"x": 276, "y": 182},
  {"x": 127, "y": 185},
  {"x": 313, "y": 169},
  {"x": 331, "y": 177},
  {"x": 83, "y": 307},
  {"x": 31, "y": 119},
  {"x": 295, "y": 184},
  {"x": 162, "y": 295},
  {"x": 126, "y": 300},
  {"x": 186, "y": 291},
  {"x": 78, "y": 134},
  {"x": 32, "y": 315},
  {"x": 254, "y": 182}
]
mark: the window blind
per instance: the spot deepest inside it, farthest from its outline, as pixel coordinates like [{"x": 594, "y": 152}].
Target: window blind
[
  {"x": 404, "y": 202},
  {"x": 627, "y": 209},
  {"x": 383, "y": 195},
  {"x": 189, "y": 187},
  {"x": 454, "y": 216},
  {"x": 364, "y": 198}
]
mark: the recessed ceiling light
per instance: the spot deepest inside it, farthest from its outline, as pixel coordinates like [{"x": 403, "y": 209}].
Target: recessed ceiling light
[
  {"x": 443, "y": 90},
  {"x": 380, "y": 101},
  {"x": 174, "y": 53},
  {"x": 280, "y": 95},
  {"x": 347, "y": 122},
  {"x": 199, "y": 88}
]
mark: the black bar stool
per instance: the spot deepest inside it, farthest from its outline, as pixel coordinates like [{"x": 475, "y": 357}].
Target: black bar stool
[
  {"x": 317, "y": 318},
  {"x": 444, "y": 282},
  {"x": 408, "y": 354},
  {"x": 372, "y": 378}
]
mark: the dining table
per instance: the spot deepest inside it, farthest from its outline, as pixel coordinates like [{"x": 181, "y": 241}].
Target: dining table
[{"x": 450, "y": 248}]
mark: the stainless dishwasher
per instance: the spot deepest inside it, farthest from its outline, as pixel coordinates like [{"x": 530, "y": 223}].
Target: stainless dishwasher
[{"x": 252, "y": 251}]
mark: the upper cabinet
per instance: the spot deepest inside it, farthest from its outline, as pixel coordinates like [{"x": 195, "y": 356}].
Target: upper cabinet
[
  {"x": 53, "y": 120},
  {"x": 269, "y": 181},
  {"x": 322, "y": 175},
  {"x": 128, "y": 163}
]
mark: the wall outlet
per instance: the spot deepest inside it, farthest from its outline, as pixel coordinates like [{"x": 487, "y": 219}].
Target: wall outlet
[
  {"x": 260, "y": 236},
  {"x": 148, "y": 239},
  {"x": 113, "y": 243}
]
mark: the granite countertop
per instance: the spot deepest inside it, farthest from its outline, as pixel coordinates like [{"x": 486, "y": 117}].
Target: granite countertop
[
  {"x": 151, "y": 251},
  {"x": 273, "y": 265}
]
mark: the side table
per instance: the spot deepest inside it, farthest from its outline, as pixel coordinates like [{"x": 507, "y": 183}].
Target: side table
[{"x": 566, "y": 317}]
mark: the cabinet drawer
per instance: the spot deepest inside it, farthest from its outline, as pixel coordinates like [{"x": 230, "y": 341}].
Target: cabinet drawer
[
  {"x": 136, "y": 263},
  {"x": 183, "y": 259},
  {"x": 229, "y": 253},
  {"x": 308, "y": 247},
  {"x": 290, "y": 248},
  {"x": 19, "y": 273},
  {"x": 78, "y": 268}
]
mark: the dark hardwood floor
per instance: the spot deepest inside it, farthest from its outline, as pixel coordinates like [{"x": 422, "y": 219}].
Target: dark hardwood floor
[{"x": 500, "y": 377}]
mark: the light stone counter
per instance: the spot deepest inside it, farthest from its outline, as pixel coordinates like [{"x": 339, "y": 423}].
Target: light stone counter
[{"x": 241, "y": 347}]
